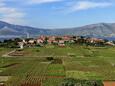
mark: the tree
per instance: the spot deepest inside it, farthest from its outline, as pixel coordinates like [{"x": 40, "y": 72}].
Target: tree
[
  {"x": 17, "y": 39},
  {"x": 10, "y": 43},
  {"x": 58, "y": 38}
]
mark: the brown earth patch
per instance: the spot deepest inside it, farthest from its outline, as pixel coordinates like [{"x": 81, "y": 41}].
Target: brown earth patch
[
  {"x": 109, "y": 83},
  {"x": 16, "y": 53},
  {"x": 10, "y": 65},
  {"x": 4, "y": 78},
  {"x": 57, "y": 61}
]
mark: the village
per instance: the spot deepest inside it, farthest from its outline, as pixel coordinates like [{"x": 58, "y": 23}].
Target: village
[
  {"x": 63, "y": 41},
  {"x": 54, "y": 60}
]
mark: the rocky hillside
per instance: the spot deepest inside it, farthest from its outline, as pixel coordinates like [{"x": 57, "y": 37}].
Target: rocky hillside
[{"x": 97, "y": 30}]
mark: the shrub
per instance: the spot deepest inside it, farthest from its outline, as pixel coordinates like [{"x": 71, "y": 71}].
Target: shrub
[
  {"x": 74, "y": 82},
  {"x": 50, "y": 58}
]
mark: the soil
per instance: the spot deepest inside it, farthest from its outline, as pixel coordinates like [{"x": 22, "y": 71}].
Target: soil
[
  {"x": 4, "y": 78},
  {"x": 109, "y": 83},
  {"x": 10, "y": 65}
]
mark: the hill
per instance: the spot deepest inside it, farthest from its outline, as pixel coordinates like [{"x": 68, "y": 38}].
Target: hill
[{"x": 96, "y": 30}]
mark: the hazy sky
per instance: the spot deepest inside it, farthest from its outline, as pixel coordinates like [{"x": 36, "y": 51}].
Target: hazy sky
[{"x": 57, "y": 13}]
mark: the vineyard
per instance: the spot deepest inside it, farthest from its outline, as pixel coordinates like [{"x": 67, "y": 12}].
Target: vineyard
[
  {"x": 50, "y": 66},
  {"x": 33, "y": 73}
]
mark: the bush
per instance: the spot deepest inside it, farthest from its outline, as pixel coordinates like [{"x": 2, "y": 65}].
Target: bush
[
  {"x": 74, "y": 82},
  {"x": 50, "y": 58},
  {"x": 37, "y": 50},
  {"x": 68, "y": 82}
]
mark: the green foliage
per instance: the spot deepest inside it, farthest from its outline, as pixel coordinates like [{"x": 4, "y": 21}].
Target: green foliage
[
  {"x": 68, "y": 82},
  {"x": 49, "y": 58},
  {"x": 55, "y": 70},
  {"x": 58, "y": 38},
  {"x": 10, "y": 43},
  {"x": 74, "y": 82},
  {"x": 87, "y": 64}
]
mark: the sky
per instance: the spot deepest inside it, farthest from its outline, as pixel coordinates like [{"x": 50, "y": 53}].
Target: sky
[{"x": 57, "y": 13}]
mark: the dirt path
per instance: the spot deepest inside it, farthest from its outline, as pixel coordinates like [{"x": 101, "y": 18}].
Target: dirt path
[
  {"x": 109, "y": 83},
  {"x": 4, "y": 78},
  {"x": 7, "y": 54}
]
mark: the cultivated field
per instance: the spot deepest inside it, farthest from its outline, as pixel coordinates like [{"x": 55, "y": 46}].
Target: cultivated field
[{"x": 35, "y": 66}]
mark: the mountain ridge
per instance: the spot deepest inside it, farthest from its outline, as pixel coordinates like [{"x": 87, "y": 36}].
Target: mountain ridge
[{"x": 95, "y": 30}]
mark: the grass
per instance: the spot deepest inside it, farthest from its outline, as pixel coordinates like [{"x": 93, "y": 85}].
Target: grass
[
  {"x": 4, "y": 50},
  {"x": 80, "y": 62},
  {"x": 55, "y": 70},
  {"x": 83, "y": 75},
  {"x": 52, "y": 82}
]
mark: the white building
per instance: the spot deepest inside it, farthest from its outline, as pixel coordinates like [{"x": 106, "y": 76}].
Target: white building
[{"x": 21, "y": 45}]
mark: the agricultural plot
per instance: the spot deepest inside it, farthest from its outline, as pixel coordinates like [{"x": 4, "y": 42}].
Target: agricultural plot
[
  {"x": 83, "y": 75},
  {"x": 56, "y": 70},
  {"x": 4, "y": 51},
  {"x": 55, "y": 74},
  {"x": 52, "y": 81},
  {"x": 35, "y": 69},
  {"x": 31, "y": 73}
]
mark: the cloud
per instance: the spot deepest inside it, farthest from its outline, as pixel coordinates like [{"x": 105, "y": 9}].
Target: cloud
[
  {"x": 42, "y": 1},
  {"x": 1, "y": 3},
  {"x": 85, "y": 5},
  {"x": 10, "y": 14}
]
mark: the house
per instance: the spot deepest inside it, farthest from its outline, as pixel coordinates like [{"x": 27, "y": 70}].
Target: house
[
  {"x": 110, "y": 43},
  {"x": 51, "y": 39},
  {"x": 55, "y": 42},
  {"x": 95, "y": 40},
  {"x": 61, "y": 43},
  {"x": 31, "y": 41},
  {"x": 42, "y": 37},
  {"x": 66, "y": 38},
  {"x": 24, "y": 41},
  {"x": 39, "y": 41},
  {"x": 21, "y": 45}
]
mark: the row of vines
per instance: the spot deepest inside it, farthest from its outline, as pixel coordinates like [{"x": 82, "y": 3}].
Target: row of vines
[{"x": 34, "y": 73}]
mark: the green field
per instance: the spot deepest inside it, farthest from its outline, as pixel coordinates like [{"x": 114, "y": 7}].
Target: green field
[{"x": 75, "y": 61}]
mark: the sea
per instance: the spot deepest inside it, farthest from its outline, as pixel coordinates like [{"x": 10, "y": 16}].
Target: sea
[{"x": 2, "y": 38}]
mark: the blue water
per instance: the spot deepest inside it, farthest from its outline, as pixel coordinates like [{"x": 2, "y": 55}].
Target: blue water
[
  {"x": 2, "y": 38},
  {"x": 108, "y": 38}
]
